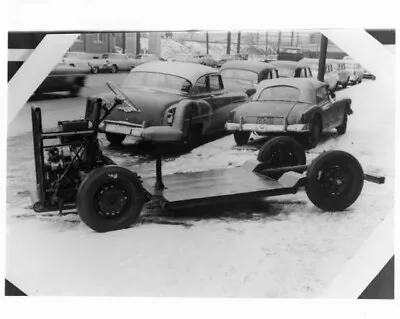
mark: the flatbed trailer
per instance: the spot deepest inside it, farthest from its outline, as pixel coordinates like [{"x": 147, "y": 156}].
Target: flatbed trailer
[{"x": 74, "y": 173}]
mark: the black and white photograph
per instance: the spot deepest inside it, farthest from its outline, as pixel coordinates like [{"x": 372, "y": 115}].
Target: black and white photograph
[{"x": 200, "y": 163}]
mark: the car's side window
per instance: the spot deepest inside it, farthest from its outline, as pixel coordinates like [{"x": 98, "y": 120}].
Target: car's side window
[
  {"x": 322, "y": 95},
  {"x": 215, "y": 83},
  {"x": 200, "y": 86},
  {"x": 309, "y": 72}
]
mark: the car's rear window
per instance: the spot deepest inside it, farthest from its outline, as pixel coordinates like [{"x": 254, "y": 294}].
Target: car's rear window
[
  {"x": 241, "y": 75},
  {"x": 285, "y": 72},
  {"x": 157, "y": 80},
  {"x": 279, "y": 93}
]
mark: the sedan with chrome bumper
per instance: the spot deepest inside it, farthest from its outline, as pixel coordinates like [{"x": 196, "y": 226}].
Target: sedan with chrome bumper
[
  {"x": 188, "y": 97},
  {"x": 296, "y": 106}
]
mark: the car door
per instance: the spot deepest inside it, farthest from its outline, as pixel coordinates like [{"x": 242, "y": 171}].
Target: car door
[
  {"x": 325, "y": 106},
  {"x": 210, "y": 89}
]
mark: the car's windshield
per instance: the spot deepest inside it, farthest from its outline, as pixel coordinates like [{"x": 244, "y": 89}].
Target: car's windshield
[
  {"x": 285, "y": 72},
  {"x": 241, "y": 75},
  {"x": 157, "y": 80},
  {"x": 279, "y": 93}
]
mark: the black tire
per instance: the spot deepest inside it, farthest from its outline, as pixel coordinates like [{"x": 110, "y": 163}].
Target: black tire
[
  {"x": 281, "y": 151},
  {"x": 314, "y": 136},
  {"x": 110, "y": 198},
  {"x": 193, "y": 138},
  {"x": 75, "y": 89},
  {"x": 114, "y": 69},
  {"x": 95, "y": 70},
  {"x": 341, "y": 129},
  {"x": 334, "y": 180},
  {"x": 115, "y": 138},
  {"x": 344, "y": 85},
  {"x": 241, "y": 137}
]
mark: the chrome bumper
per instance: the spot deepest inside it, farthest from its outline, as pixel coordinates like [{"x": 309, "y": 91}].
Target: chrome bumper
[
  {"x": 267, "y": 128},
  {"x": 120, "y": 127}
]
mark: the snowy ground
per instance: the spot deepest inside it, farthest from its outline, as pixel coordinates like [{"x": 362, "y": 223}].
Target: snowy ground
[{"x": 283, "y": 247}]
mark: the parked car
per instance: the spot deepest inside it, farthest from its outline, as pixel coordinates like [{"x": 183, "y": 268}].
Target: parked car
[
  {"x": 243, "y": 76},
  {"x": 64, "y": 78},
  {"x": 297, "y": 106},
  {"x": 290, "y": 54},
  {"x": 291, "y": 69},
  {"x": 190, "y": 97},
  {"x": 368, "y": 75},
  {"x": 331, "y": 78},
  {"x": 114, "y": 62},
  {"x": 357, "y": 71},
  {"x": 344, "y": 74},
  {"x": 83, "y": 60},
  {"x": 207, "y": 59}
]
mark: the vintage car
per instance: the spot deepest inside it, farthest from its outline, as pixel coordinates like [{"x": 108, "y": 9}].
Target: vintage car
[
  {"x": 368, "y": 75},
  {"x": 356, "y": 70},
  {"x": 83, "y": 60},
  {"x": 330, "y": 77},
  {"x": 207, "y": 59},
  {"x": 190, "y": 97},
  {"x": 290, "y": 54},
  {"x": 298, "y": 106},
  {"x": 291, "y": 69},
  {"x": 243, "y": 76},
  {"x": 114, "y": 62},
  {"x": 343, "y": 73},
  {"x": 64, "y": 78}
]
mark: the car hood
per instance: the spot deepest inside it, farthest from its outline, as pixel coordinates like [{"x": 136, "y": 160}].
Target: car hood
[
  {"x": 151, "y": 103},
  {"x": 251, "y": 110}
]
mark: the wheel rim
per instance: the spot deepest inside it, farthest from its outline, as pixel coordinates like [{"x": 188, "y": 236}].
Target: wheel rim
[
  {"x": 111, "y": 200},
  {"x": 335, "y": 180}
]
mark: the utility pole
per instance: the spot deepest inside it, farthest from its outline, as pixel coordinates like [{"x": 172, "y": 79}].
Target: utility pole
[
  {"x": 238, "y": 43},
  {"x": 137, "y": 43},
  {"x": 207, "y": 42},
  {"x": 297, "y": 39},
  {"x": 291, "y": 39},
  {"x": 123, "y": 42},
  {"x": 228, "y": 48},
  {"x": 279, "y": 40},
  {"x": 266, "y": 43},
  {"x": 84, "y": 42},
  {"x": 322, "y": 58}
]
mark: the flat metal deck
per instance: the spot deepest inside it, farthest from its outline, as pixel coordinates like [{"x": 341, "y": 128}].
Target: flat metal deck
[{"x": 216, "y": 186}]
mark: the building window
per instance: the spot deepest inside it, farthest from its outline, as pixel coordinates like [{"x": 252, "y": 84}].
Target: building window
[
  {"x": 79, "y": 38},
  {"x": 100, "y": 38}
]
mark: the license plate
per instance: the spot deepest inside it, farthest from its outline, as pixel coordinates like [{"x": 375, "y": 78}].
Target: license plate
[{"x": 265, "y": 120}]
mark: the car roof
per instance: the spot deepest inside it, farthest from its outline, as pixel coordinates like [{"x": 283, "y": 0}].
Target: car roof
[
  {"x": 287, "y": 64},
  {"x": 189, "y": 71},
  {"x": 255, "y": 66},
  {"x": 307, "y": 86}
]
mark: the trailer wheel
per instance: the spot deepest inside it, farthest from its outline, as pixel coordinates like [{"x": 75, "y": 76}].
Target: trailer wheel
[
  {"x": 334, "y": 180},
  {"x": 115, "y": 138},
  {"x": 282, "y": 151},
  {"x": 110, "y": 198},
  {"x": 241, "y": 137}
]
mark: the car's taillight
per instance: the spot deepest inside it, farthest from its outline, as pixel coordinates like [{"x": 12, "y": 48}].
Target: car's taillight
[{"x": 231, "y": 116}]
